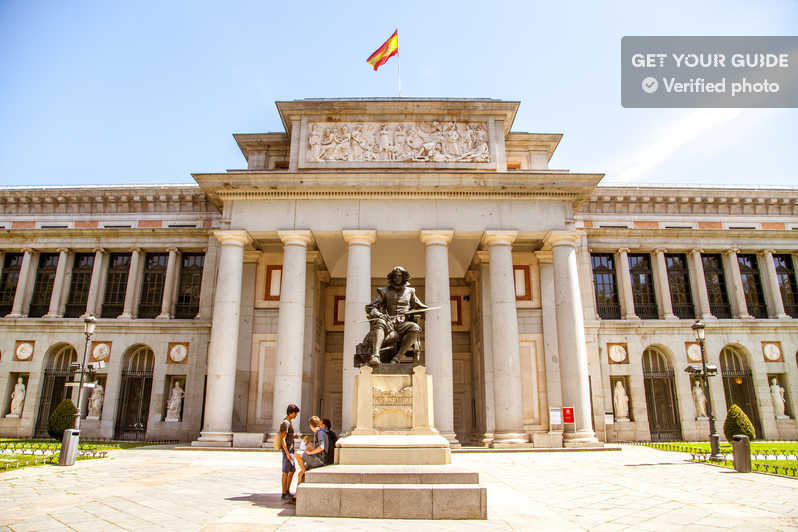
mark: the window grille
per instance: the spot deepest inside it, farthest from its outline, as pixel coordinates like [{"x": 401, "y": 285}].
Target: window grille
[
  {"x": 152, "y": 284},
  {"x": 605, "y": 286},
  {"x": 8, "y": 282},
  {"x": 716, "y": 286},
  {"x": 189, "y": 286},
  {"x": 116, "y": 285},
  {"x": 679, "y": 281},
  {"x": 643, "y": 286},
  {"x": 43, "y": 287},
  {"x": 752, "y": 285},
  {"x": 79, "y": 285}
]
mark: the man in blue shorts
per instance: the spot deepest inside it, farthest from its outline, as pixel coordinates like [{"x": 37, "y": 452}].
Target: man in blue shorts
[{"x": 286, "y": 436}]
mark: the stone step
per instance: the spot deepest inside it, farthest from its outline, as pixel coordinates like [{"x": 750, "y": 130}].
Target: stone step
[
  {"x": 392, "y": 474},
  {"x": 392, "y": 501}
]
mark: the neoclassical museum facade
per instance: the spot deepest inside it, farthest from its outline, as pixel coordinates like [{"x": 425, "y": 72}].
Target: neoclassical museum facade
[{"x": 248, "y": 288}]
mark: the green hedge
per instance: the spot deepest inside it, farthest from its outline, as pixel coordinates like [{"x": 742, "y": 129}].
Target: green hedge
[
  {"x": 738, "y": 423},
  {"x": 62, "y": 418}
]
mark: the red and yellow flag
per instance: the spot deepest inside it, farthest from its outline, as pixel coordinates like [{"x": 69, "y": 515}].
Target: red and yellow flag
[{"x": 389, "y": 49}]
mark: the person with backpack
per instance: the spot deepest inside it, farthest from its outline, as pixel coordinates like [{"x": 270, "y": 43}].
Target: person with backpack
[
  {"x": 317, "y": 456},
  {"x": 333, "y": 437}
]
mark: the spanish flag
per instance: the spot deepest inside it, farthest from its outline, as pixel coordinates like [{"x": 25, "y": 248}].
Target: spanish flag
[{"x": 389, "y": 49}]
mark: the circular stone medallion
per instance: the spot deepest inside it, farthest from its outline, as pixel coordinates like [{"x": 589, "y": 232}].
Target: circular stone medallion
[
  {"x": 617, "y": 353},
  {"x": 24, "y": 351},
  {"x": 178, "y": 353},
  {"x": 694, "y": 353},
  {"x": 772, "y": 352},
  {"x": 101, "y": 352}
]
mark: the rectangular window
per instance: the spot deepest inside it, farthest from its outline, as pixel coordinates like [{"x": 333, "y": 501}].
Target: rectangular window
[
  {"x": 189, "y": 285},
  {"x": 679, "y": 280},
  {"x": 521, "y": 276},
  {"x": 785, "y": 274},
  {"x": 116, "y": 285},
  {"x": 274, "y": 276},
  {"x": 752, "y": 285},
  {"x": 716, "y": 286},
  {"x": 8, "y": 282},
  {"x": 43, "y": 287},
  {"x": 643, "y": 286},
  {"x": 79, "y": 285},
  {"x": 152, "y": 285},
  {"x": 605, "y": 286}
]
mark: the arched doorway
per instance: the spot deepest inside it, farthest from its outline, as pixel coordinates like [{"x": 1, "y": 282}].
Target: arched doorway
[
  {"x": 56, "y": 375},
  {"x": 135, "y": 391},
  {"x": 663, "y": 410},
  {"x": 738, "y": 384}
]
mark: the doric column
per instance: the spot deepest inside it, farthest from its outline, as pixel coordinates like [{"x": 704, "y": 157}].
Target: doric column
[
  {"x": 486, "y": 307},
  {"x": 550, "y": 345},
  {"x": 663, "y": 291},
  {"x": 169, "y": 285},
  {"x": 571, "y": 338},
  {"x": 506, "y": 354},
  {"x": 131, "y": 290},
  {"x": 699, "y": 285},
  {"x": 58, "y": 284},
  {"x": 358, "y": 295},
  {"x": 290, "y": 324},
  {"x": 734, "y": 285},
  {"x": 773, "y": 298},
  {"x": 438, "y": 336},
  {"x": 19, "y": 308},
  {"x": 223, "y": 347},
  {"x": 625, "y": 297},
  {"x": 96, "y": 279}
]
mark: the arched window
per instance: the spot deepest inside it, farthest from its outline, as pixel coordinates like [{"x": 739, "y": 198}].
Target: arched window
[{"x": 738, "y": 384}]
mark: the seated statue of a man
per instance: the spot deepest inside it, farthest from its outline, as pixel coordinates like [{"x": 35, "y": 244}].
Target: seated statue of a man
[{"x": 390, "y": 321}]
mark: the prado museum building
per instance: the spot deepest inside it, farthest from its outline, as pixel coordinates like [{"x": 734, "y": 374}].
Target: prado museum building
[{"x": 220, "y": 303}]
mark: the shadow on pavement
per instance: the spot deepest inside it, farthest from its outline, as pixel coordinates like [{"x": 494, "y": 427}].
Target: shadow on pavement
[{"x": 267, "y": 500}]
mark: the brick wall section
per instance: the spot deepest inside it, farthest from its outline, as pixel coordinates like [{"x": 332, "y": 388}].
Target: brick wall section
[
  {"x": 87, "y": 224},
  {"x": 23, "y": 225},
  {"x": 710, "y": 225},
  {"x": 646, "y": 225},
  {"x": 773, "y": 225},
  {"x": 150, "y": 224}
]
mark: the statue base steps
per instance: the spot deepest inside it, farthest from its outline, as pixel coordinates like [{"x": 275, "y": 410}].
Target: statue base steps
[
  {"x": 392, "y": 492},
  {"x": 214, "y": 439},
  {"x": 390, "y": 449}
]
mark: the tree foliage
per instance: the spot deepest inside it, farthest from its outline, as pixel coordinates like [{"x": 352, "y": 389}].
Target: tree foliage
[
  {"x": 62, "y": 418},
  {"x": 738, "y": 423}
]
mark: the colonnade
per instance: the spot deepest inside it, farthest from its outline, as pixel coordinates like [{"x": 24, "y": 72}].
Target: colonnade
[{"x": 500, "y": 324}]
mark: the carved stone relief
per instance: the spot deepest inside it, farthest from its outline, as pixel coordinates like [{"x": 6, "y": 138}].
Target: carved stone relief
[{"x": 431, "y": 141}]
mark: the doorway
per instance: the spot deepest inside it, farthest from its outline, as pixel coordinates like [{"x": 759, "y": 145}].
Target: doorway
[
  {"x": 738, "y": 385},
  {"x": 134, "y": 399},
  {"x": 661, "y": 403},
  {"x": 54, "y": 390}
]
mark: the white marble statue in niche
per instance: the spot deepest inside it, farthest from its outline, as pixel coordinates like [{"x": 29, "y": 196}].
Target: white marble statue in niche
[
  {"x": 621, "y": 402},
  {"x": 174, "y": 403},
  {"x": 700, "y": 400},
  {"x": 398, "y": 142},
  {"x": 96, "y": 402},
  {"x": 777, "y": 398},
  {"x": 17, "y": 399}
]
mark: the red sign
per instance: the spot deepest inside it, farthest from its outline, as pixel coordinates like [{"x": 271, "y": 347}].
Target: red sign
[{"x": 567, "y": 414}]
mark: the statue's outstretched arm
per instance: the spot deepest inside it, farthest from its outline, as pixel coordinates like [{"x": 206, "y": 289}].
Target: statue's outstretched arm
[{"x": 415, "y": 302}]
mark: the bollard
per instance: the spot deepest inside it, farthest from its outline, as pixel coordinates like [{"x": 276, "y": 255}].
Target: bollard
[
  {"x": 69, "y": 447},
  {"x": 741, "y": 446}
]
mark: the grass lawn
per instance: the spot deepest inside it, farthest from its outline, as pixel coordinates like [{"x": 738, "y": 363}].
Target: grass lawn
[
  {"x": 16, "y": 453},
  {"x": 756, "y": 446}
]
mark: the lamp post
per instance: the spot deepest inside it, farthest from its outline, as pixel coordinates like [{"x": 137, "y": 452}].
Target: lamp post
[
  {"x": 89, "y": 323},
  {"x": 714, "y": 439}
]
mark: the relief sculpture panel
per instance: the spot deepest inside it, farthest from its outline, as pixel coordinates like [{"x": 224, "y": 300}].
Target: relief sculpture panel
[
  {"x": 393, "y": 402},
  {"x": 417, "y": 141}
]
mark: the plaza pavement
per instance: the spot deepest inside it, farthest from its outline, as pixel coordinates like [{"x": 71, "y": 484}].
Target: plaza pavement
[{"x": 158, "y": 488}]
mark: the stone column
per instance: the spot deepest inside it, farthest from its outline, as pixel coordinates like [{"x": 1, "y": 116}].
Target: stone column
[
  {"x": 734, "y": 285},
  {"x": 290, "y": 324},
  {"x": 358, "y": 295},
  {"x": 775, "y": 303},
  {"x": 58, "y": 284},
  {"x": 625, "y": 297},
  {"x": 571, "y": 338},
  {"x": 92, "y": 300},
  {"x": 438, "y": 334},
  {"x": 131, "y": 290},
  {"x": 487, "y": 343},
  {"x": 550, "y": 346},
  {"x": 208, "y": 276},
  {"x": 169, "y": 285},
  {"x": 19, "y": 308},
  {"x": 217, "y": 430},
  {"x": 699, "y": 285},
  {"x": 663, "y": 288},
  {"x": 506, "y": 354}
]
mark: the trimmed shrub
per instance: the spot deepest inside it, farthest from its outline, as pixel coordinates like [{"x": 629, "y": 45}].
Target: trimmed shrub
[
  {"x": 738, "y": 423},
  {"x": 62, "y": 418}
]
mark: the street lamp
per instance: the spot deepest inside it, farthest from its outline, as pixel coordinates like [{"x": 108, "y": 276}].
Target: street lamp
[
  {"x": 714, "y": 439},
  {"x": 71, "y": 438}
]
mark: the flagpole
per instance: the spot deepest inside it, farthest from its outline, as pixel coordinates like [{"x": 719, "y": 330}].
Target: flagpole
[{"x": 398, "y": 62}]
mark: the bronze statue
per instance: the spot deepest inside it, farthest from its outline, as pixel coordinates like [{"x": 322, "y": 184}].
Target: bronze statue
[{"x": 394, "y": 333}]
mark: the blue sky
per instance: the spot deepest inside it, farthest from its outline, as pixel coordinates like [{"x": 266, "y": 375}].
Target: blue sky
[{"x": 148, "y": 92}]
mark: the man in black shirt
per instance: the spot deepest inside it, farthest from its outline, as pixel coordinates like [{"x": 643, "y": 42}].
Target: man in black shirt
[{"x": 286, "y": 436}]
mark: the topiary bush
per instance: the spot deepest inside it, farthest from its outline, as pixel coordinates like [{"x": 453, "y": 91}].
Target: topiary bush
[
  {"x": 62, "y": 418},
  {"x": 738, "y": 423}
]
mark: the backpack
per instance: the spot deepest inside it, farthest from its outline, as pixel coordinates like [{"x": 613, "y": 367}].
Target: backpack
[{"x": 332, "y": 437}]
